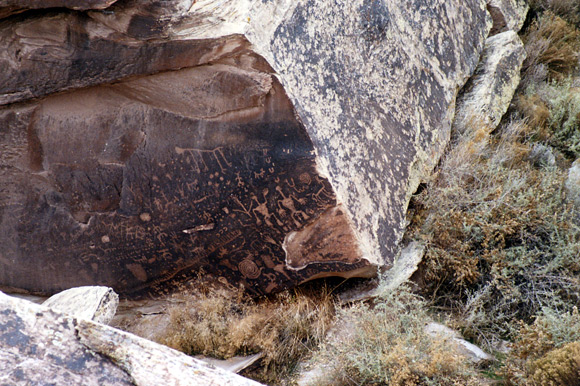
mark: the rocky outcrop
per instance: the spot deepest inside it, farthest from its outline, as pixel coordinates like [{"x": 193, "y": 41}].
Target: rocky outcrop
[
  {"x": 11, "y": 7},
  {"x": 92, "y": 303},
  {"x": 507, "y": 15},
  {"x": 487, "y": 95},
  {"x": 266, "y": 143},
  {"x": 42, "y": 346}
]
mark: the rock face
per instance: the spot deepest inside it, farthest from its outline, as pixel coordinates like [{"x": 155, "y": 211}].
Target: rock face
[
  {"x": 266, "y": 143},
  {"x": 10, "y": 7},
  {"x": 487, "y": 95},
  {"x": 42, "y": 346},
  {"x": 92, "y": 303},
  {"x": 507, "y": 15}
]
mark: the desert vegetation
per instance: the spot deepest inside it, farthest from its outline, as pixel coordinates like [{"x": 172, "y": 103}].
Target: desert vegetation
[{"x": 501, "y": 266}]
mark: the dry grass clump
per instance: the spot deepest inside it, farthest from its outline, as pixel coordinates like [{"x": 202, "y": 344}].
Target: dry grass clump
[
  {"x": 386, "y": 344},
  {"x": 222, "y": 324},
  {"x": 502, "y": 241},
  {"x": 552, "y": 47}
]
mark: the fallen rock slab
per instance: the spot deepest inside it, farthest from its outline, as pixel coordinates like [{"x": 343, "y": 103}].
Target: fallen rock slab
[
  {"x": 42, "y": 346},
  {"x": 94, "y": 303}
]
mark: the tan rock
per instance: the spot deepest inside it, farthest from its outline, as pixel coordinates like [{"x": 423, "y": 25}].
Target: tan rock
[
  {"x": 471, "y": 351},
  {"x": 91, "y": 302}
]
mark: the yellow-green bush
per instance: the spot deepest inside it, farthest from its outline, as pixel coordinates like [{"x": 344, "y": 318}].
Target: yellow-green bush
[
  {"x": 553, "y": 109},
  {"x": 386, "y": 344},
  {"x": 559, "y": 367}
]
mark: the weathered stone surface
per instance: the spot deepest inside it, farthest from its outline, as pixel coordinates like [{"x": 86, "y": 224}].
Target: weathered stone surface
[
  {"x": 151, "y": 364},
  {"x": 487, "y": 95},
  {"x": 507, "y": 15},
  {"x": 147, "y": 181},
  {"x": 91, "y": 302},
  {"x": 471, "y": 351},
  {"x": 374, "y": 83},
  {"x": 404, "y": 266},
  {"x": 284, "y": 146},
  {"x": 10, "y": 7},
  {"x": 43, "y": 54},
  {"x": 573, "y": 183},
  {"x": 40, "y": 346}
]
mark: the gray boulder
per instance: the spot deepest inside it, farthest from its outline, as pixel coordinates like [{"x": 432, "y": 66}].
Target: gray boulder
[
  {"x": 91, "y": 302},
  {"x": 487, "y": 95},
  {"x": 41, "y": 346},
  {"x": 542, "y": 156},
  {"x": 507, "y": 15}
]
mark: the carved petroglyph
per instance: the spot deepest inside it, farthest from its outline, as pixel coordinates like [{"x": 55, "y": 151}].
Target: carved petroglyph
[
  {"x": 189, "y": 198},
  {"x": 249, "y": 269}
]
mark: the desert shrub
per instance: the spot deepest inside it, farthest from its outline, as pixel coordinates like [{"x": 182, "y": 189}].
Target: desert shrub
[
  {"x": 536, "y": 357},
  {"x": 558, "y": 367},
  {"x": 566, "y": 9},
  {"x": 502, "y": 242},
  {"x": 222, "y": 324},
  {"x": 554, "y": 109},
  {"x": 552, "y": 47},
  {"x": 550, "y": 329},
  {"x": 386, "y": 343}
]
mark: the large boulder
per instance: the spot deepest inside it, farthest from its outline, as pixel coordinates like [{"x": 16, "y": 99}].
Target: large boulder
[
  {"x": 40, "y": 346},
  {"x": 266, "y": 143}
]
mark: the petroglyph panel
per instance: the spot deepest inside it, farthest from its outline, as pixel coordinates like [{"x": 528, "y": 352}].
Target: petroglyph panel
[{"x": 139, "y": 187}]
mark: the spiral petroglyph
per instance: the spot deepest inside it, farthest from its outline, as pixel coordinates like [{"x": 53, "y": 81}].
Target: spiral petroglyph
[{"x": 249, "y": 269}]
